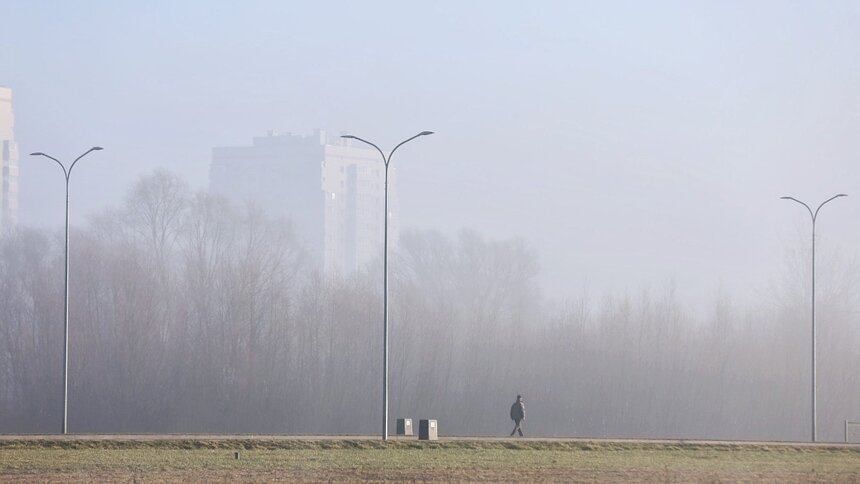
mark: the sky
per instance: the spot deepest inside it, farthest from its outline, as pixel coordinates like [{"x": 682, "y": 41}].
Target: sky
[{"x": 630, "y": 143}]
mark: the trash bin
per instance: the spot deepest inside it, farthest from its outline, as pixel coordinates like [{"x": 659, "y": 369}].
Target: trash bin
[
  {"x": 404, "y": 426},
  {"x": 428, "y": 430}
]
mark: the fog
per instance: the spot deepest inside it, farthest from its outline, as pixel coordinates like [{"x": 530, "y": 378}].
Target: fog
[
  {"x": 616, "y": 166},
  {"x": 191, "y": 314}
]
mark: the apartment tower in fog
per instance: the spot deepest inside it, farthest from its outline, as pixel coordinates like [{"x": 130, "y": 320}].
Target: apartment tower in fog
[{"x": 331, "y": 190}]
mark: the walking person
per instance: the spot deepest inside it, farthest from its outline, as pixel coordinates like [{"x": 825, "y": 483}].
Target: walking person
[{"x": 518, "y": 414}]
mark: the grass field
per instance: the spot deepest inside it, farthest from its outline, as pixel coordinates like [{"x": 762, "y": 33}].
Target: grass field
[{"x": 262, "y": 460}]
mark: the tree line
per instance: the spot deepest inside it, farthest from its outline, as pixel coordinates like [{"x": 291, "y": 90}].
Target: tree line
[{"x": 192, "y": 314}]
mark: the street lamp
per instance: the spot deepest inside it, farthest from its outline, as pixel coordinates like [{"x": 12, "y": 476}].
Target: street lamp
[
  {"x": 67, "y": 173},
  {"x": 387, "y": 161},
  {"x": 814, "y": 216}
]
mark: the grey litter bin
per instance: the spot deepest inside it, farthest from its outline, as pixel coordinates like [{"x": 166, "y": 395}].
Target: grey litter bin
[
  {"x": 428, "y": 430},
  {"x": 404, "y": 426}
]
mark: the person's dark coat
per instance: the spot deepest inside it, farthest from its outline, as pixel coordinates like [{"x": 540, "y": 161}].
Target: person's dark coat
[{"x": 518, "y": 411}]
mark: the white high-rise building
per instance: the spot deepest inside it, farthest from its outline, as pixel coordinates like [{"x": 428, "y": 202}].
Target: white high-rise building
[
  {"x": 332, "y": 191},
  {"x": 8, "y": 162}
]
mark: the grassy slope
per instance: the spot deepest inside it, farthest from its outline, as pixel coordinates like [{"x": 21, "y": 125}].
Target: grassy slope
[{"x": 261, "y": 460}]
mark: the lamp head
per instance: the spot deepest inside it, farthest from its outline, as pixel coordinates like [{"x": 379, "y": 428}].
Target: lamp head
[
  {"x": 348, "y": 136},
  {"x": 842, "y": 195},
  {"x": 97, "y": 148},
  {"x": 785, "y": 198},
  {"x": 38, "y": 153},
  {"x": 425, "y": 133}
]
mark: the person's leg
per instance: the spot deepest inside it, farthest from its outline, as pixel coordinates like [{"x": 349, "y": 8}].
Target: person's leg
[
  {"x": 517, "y": 428},
  {"x": 520, "y": 427}
]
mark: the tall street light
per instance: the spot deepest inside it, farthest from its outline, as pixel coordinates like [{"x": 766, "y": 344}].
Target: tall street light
[
  {"x": 387, "y": 161},
  {"x": 814, "y": 216},
  {"x": 67, "y": 173}
]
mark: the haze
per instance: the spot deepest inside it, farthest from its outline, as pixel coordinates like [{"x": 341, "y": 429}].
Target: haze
[
  {"x": 581, "y": 127},
  {"x": 632, "y": 145}
]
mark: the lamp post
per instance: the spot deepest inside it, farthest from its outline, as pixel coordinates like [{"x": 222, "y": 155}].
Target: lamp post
[
  {"x": 814, "y": 216},
  {"x": 387, "y": 161},
  {"x": 67, "y": 173}
]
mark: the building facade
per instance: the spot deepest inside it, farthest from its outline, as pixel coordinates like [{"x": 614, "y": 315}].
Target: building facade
[
  {"x": 8, "y": 162},
  {"x": 331, "y": 190}
]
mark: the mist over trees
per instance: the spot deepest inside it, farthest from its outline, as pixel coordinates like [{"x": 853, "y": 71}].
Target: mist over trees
[{"x": 192, "y": 314}]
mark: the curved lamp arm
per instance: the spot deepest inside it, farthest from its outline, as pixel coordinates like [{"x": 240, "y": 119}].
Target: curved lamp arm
[
  {"x": 94, "y": 148},
  {"x": 423, "y": 133},
  {"x": 805, "y": 205},
  {"x": 62, "y": 167},
  {"x": 822, "y": 203},
  {"x": 384, "y": 159}
]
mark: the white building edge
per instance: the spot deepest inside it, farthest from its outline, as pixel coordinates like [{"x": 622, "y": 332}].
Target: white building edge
[
  {"x": 8, "y": 162},
  {"x": 331, "y": 190}
]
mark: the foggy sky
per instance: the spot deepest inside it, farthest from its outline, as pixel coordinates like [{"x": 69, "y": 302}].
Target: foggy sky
[{"x": 629, "y": 142}]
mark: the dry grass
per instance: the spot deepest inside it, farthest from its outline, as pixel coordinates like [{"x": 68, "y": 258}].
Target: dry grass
[{"x": 198, "y": 460}]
